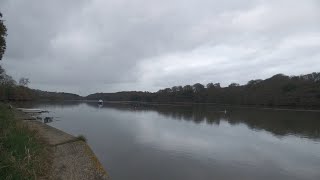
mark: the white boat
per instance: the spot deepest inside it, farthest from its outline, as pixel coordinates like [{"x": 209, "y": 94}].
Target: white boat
[{"x": 100, "y": 101}]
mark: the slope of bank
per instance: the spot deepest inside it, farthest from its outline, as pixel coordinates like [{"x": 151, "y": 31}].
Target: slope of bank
[
  {"x": 72, "y": 158},
  {"x": 63, "y": 155}
]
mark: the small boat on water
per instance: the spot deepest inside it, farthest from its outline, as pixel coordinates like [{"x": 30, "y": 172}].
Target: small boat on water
[{"x": 100, "y": 101}]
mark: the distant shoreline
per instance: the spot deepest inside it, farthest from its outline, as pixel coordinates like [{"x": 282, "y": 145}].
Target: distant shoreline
[
  {"x": 278, "y": 108},
  {"x": 148, "y": 104}
]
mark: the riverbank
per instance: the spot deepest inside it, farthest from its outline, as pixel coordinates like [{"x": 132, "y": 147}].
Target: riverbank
[
  {"x": 23, "y": 154},
  {"x": 49, "y": 152}
]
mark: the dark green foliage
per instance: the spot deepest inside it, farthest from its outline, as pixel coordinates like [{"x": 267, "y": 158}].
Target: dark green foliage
[
  {"x": 234, "y": 85},
  {"x": 289, "y": 87},
  {"x": 3, "y": 34},
  {"x": 21, "y": 93},
  {"x": 279, "y": 90}
]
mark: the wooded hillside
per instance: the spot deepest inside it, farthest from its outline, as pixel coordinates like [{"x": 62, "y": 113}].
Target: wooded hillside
[{"x": 279, "y": 90}]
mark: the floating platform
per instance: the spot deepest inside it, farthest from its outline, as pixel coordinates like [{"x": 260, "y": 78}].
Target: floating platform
[{"x": 26, "y": 110}]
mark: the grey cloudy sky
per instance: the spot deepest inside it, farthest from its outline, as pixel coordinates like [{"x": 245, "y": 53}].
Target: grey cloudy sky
[{"x": 88, "y": 46}]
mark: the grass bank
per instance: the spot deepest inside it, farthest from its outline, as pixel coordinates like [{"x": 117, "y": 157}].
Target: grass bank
[{"x": 23, "y": 155}]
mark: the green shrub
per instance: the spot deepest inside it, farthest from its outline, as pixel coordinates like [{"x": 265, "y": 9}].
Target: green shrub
[{"x": 22, "y": 153}]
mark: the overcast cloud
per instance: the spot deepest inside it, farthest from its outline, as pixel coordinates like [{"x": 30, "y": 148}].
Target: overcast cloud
[{"x": 88, "y": 46}]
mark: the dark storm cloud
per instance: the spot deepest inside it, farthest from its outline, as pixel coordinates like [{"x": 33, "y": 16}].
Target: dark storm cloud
[{"x": 94, "y": 45}]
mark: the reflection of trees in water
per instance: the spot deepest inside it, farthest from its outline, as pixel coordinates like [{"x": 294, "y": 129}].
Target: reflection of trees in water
[
  {"x": 44, "y": 104},
  {"x": 280, "y": 123},
  {"x": 304, "y": 124},
  {"x": 197, "y": 114}
]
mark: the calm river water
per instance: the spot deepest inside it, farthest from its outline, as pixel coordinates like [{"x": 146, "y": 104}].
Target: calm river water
[{"x": 195, "y": 142}]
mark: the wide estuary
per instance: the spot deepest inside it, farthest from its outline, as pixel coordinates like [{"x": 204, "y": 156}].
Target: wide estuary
[{"x": 194, "y": 142}]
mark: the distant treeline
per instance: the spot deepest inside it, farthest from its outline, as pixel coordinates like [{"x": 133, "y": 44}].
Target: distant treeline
[
  {"x": 279, "y": 90},
  {"x": 10, "y": 90},
  {"x": 20, "y": 93}
]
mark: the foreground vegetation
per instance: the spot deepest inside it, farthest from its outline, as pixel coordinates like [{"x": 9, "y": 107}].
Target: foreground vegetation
[{"x": 22, "y": 154}]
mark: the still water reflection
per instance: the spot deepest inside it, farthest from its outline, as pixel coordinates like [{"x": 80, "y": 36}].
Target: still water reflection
[{"x": 195, "y": 142}]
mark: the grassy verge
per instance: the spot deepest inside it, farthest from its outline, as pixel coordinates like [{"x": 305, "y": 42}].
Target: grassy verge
[{"x": 23, "y": 155}]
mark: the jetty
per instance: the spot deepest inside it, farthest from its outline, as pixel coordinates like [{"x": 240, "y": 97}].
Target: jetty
[{"x": 26, "y": 110}]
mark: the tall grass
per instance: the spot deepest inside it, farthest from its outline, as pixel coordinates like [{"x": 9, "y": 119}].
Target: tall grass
[{"x": 22, "y": 154}]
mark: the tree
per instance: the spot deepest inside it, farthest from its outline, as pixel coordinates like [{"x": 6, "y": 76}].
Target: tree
[
  {"x": 24, "y": 82},
  {"x": 3, "y": 34},
  {"x": 210, "y": 85},
  {"x": 234, "y": 85},
  {"x": 254, "y": 82},
  {"x": 198, "y": 87},
  {"x": 215, "y": 85},
  {"x": 187, "y": 88},
  {"x": 167, "y": 90},
  {"x": 1, "y": 71},
  {"x": 7, "y": 80},
  {"x": 180, "y": 88},
  {"x": 174, "y": 89}
]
